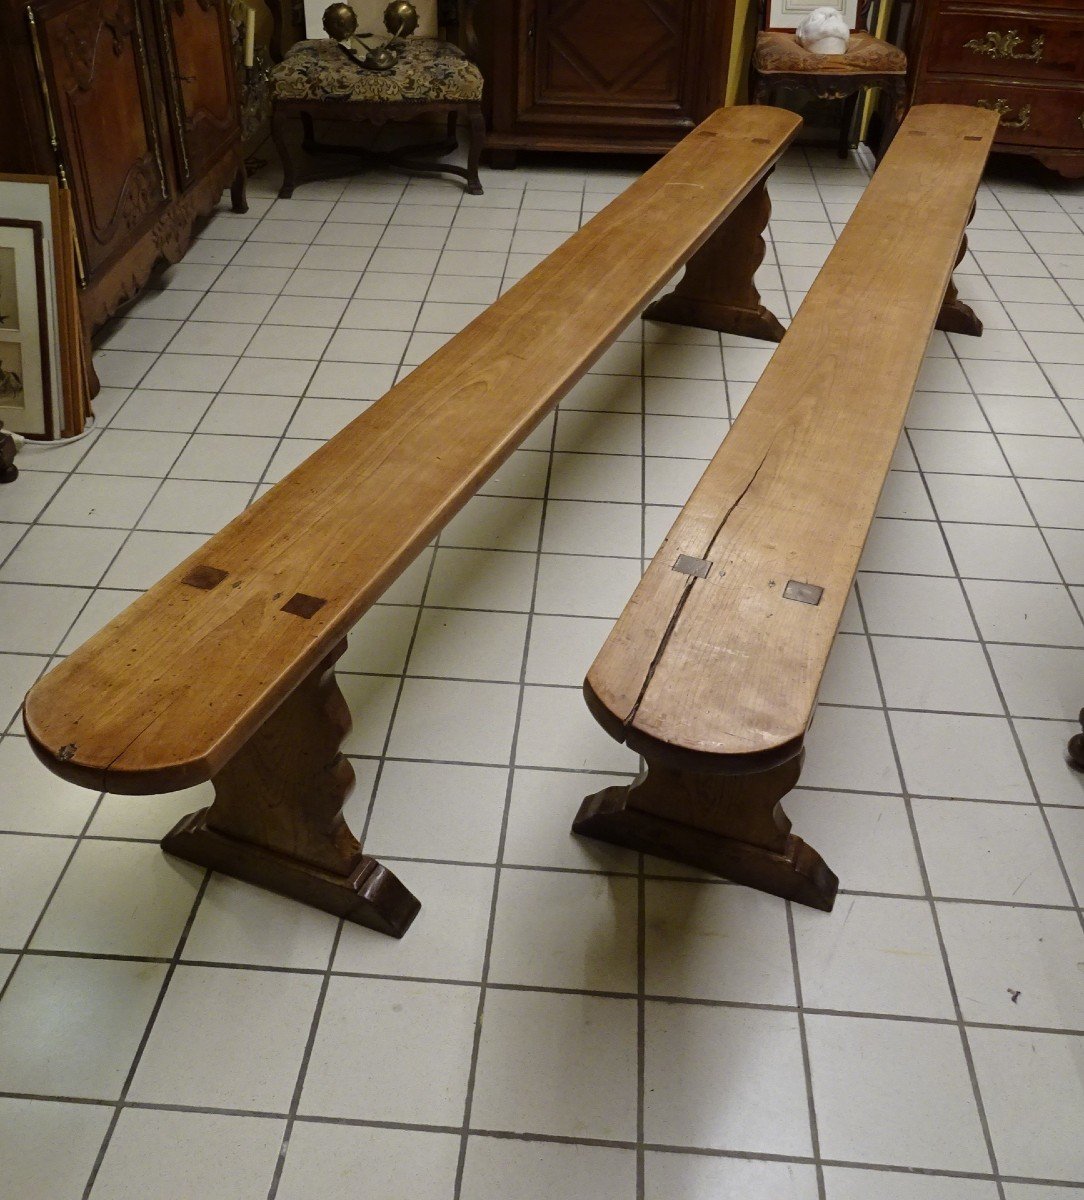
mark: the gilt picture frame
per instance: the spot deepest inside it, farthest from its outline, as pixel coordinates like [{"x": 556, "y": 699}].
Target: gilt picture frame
[
  {"x": 26, "y": 375},
  {"x": 785, "y": 14}
]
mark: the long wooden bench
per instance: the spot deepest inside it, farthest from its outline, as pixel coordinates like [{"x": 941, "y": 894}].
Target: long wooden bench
[
  {"x": 713, "y": 668},
  {"x": 224, "y": 669}
]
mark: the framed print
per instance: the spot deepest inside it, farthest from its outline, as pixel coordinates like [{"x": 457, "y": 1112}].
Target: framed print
[
  {"x": 785, "y": 14},
  {"x": 26, "y": 384}
]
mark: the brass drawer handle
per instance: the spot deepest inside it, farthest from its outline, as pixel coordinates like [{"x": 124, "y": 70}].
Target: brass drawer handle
[
  {"x": 1003, "y": 108},
  {"x": 1003, "y": 45}
]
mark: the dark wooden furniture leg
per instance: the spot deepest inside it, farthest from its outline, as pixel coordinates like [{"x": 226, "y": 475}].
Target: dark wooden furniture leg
[
  {"x": 955, "y": 315},
  {"x": 730, "y": 825},
  {"x": 1076, "y": 746},
  {"x": 717, "y": 290},
  {"x": 846, "y": 127},
  {"x": 897, "y": 110},
  {"x": 9, "y": 472},
  {"x": 239, "y": 191},
  {"x": 477, "y": 125},
  {"x": 278, "y": 136},
  {"x": 277, "y": 821}
]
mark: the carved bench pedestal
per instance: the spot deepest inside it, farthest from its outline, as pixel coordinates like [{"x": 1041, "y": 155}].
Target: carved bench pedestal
[
  {"x": 277, "y": 821},
  {"x": 730, "y": 825},
  {"x": 717, "y": 289}
]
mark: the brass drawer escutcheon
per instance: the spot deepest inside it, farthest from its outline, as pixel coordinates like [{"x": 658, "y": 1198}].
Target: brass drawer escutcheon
[
  {"x": 1003, "y": 108},
  {"x": 1004, "y": 45}
]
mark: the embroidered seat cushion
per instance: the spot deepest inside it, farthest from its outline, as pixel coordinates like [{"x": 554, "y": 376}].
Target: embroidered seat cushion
[
  {"x": 427, "y": 70},
  {"x": 779, "y": 51}
]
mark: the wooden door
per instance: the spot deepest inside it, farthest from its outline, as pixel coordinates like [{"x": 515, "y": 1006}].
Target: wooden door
[
  {"x": 96, "y": 66},
  {"x": 200, "y": 82},
  {"x": 592, "y": 60}
]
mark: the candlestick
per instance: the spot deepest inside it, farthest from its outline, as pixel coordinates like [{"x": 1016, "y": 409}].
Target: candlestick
[{"x": 250, "y": 36}]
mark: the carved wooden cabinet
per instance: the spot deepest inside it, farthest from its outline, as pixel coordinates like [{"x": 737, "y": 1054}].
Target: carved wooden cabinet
[
  {"x": 620, "y": 75},
  {"x": 1022, "y": 58},
  {"x": 134, "y": 103}
]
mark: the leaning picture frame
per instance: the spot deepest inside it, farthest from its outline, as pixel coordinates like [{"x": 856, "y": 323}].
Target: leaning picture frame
[{"x": 27, "y": 402}]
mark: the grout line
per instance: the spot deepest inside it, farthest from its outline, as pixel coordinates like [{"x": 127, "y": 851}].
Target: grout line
[{"x": 484, "y": 983}]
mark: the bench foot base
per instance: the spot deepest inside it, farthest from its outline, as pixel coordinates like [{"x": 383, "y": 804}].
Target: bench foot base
[
  {"x": 741, "y": 833},
  {"x": 717, "y": 290},
  {"x": 957, "y": 317},
  {"x": 370, "y": 895},
  {"x": 755, "y": 322},
  {"x": 277, "y": 818}
]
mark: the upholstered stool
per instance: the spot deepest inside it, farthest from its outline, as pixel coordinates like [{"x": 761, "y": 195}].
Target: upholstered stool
[
  {"x": 780, "y": 63},
  {"x": 318, "y": 80}
]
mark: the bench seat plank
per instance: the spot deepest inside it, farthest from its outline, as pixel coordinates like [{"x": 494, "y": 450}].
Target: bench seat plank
[
  {"x": 721, "y": 673},
  {"x": 167, "y": 693}
]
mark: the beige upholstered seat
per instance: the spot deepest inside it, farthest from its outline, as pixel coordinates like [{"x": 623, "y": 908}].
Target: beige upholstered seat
[
  {"x": 778, "y": 50},
  {"x": 428, "y": 71}
]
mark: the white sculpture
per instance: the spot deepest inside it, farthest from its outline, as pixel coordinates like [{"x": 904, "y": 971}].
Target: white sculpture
[{"x": 823, "y": 31}]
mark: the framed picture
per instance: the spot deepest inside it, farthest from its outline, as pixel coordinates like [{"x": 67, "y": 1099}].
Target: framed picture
[
  {"x": 785, "y": 14},
  {"x": 26, "y": 383}
]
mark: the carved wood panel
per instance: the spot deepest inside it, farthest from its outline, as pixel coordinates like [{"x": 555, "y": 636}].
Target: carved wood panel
[
  {"x": 603, "y": 55},
  {"x": 200, "y": 81},
  {"x": 96, "y": 51}
]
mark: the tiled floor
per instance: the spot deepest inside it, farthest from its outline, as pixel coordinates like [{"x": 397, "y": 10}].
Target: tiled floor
[{"x": 564, "y": 1020}]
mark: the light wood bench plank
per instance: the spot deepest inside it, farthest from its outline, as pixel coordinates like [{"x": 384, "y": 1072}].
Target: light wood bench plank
[{"x": 713, "y": 676}]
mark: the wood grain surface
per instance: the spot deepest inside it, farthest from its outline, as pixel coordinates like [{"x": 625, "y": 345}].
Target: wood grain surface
[
  {"x": 721, "y": 673},
  {"x": 171, "y": 689}
]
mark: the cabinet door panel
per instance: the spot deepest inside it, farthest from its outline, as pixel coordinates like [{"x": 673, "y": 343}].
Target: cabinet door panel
[
  {"x": 200, "y": 81},
  {"x": 95, "y": 54},
  {"x": 598, "y": 56}
]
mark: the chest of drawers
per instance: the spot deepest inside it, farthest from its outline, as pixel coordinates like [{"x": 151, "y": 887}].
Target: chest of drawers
[{"x": 1023, "y": 60}]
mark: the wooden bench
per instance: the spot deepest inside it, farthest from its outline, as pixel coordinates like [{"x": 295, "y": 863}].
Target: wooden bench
[
  {"x": 224, "y": 669},
  {"x": 712, "y": 670}
]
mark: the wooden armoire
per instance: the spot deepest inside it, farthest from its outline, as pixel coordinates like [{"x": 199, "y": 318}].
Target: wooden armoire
[
  {"x": 600, "y": 75},
  {"x": 133, "y": 103}
]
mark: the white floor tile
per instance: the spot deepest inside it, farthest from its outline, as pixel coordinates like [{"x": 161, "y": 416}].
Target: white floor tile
[
  {"x": 850, "y": 1183},
  {"x": 71, "y": 1026},
  {"x": 690, "y": 1047},
  {"x": 239, "y": 923},
  {"x": 866, "y": 840},
  {"x": 513, "y": 1169},
  {"x": 250, "y": 1063},
  {"x": 454, "y": 721},
  {"x": 193, "y": 1154},
  {"x": 712, "y": 942},
  {"x": 558, "y": 1064},
  {"x": 1039, "y": 1139},
  {"x": 430, "y": 810},
  {"x": 565, "y": 930},
  {"x": 1033, "y": 978},
  {"x": 33, "y": 1131},
  {"x": 448, "y": 937},
  {"x": 375, "y": 1031},
  {"x": 120, "y": 898},
  {"x": 959, "y": 755},
  {"x": 874, "y": 955},
  {"x": 334, "y": 1161},
  {"x": 894, "y": 1092},
  {"x": 988, "y": 852}
]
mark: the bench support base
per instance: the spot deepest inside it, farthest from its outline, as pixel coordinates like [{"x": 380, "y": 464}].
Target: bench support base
[
  {"x": 277, "y": 821},
  {"x": 717, "y": 290},
  {"x": 730, "y": 825},
  {"x": 956, "y": 316}
]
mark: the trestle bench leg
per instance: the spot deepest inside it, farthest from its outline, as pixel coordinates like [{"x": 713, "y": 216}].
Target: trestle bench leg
[
  {"x": 730, "y": 825},
  {"x": 277, "y": 821},
  {"x": 956, "y": 316},
  {"x": 717, "y": 290}
]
